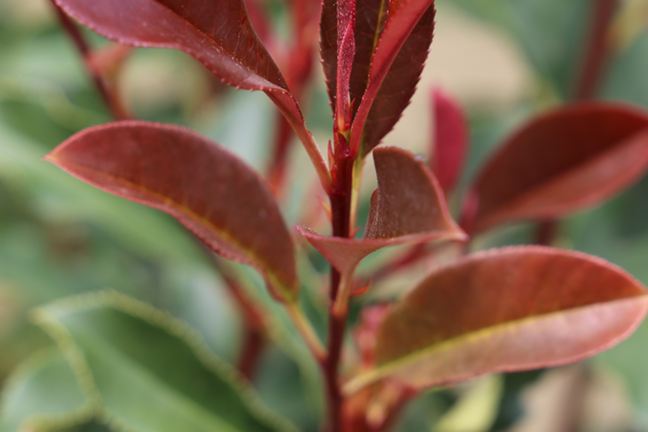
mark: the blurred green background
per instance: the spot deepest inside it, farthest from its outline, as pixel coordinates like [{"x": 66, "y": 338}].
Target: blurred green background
[{"x": 503, "y": 59}]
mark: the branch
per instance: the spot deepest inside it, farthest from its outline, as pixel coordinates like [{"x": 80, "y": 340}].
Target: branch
[{"x": 110, "y": 99}]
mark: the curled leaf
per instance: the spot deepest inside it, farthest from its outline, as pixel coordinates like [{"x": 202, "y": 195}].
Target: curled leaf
[
  {"x": 450, "y": 140},
  {"x": 563, "y": 161},
  {"x": 505, "y": 310},
  {"x": 407, "y": 207},
  {"x": 205, "y": 187}
]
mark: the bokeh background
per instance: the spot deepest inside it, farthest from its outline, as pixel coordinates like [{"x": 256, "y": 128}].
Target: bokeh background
[{"x": 502, "y": 59}]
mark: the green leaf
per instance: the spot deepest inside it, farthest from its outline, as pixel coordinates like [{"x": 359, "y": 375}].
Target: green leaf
[
  {"x": 42, "y": 394},
  {"x": 92, "y": 426},
  {"x": 152, "y": 372}
]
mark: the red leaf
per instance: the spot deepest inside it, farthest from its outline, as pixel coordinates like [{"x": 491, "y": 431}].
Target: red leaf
[
  {"x": 346, "y": 53},
  {"x": 450, "y": 140},
  {"x": 407, "y": 207},
  {"x": 218, "y": 33},
  {"x": 205, "y": 187},
  {"x": 397, "y": 87},
  {"x": 505, "y": 310},
  {"x": 396, "y": 66},
  {"x": 563, "y": 161}
]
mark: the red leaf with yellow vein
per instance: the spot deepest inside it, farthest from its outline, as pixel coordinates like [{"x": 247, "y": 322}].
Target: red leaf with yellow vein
[
  {"x": 505, "y": 310},
  {"x": 205, "y": 187},
  {"x": 568, "y": 159},
  {"x": 407, "y": 207},
  {"x": 403, "y": 73}
]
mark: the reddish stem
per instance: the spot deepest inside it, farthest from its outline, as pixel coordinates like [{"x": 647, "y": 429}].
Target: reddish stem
[
  {"x": 597, "y": 54},
  {"x": 254, "y": 327},
  {"x": 597, "y": 50},
  {"x": 253, "y": 348},
  {"x": 109, "y": 97},
  {"x": 277, "y": 174},
  {"x": 341, "y": 223},
  {"x": 298, "y": 69},
  {"x": 546, "y": 233}
]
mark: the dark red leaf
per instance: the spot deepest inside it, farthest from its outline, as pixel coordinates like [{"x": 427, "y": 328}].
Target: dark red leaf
[
  {"x": 563, "y": 161},
  {"x": 450, "y": 140},
  {"x": 217, "y": 32},
  {"x": 328, "y": 47},
  {"x": 511, "y": 309},
  {"x": 205, "y": 187},
  {"x": 397, "y": 87},
  {"x": 346, "y": 54},
  {"x": 407, "y": 207},
  {"x": 395, "y": 68}
]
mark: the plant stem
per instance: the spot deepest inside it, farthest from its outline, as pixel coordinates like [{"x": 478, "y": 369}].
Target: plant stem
[
  {"x": 597, "y": 50},
  {"x": 597, "y": 53},
  {"x": 254, "y": 322},
  {"x": 306, "y": 330},
  {"x": 109, "y": 97},
  {"x": 253, "y": 347},
  {"x": 546, "y": 232},
  {"x": 277, "y": 169},
  {"x": 341, "y": 206}
]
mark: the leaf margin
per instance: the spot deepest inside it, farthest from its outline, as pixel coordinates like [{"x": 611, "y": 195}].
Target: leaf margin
[{"x": 44, "y": 317}]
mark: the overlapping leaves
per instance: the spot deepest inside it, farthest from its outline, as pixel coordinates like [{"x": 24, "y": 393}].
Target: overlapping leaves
[
  {"x": 149, "y": 371},
  {"x": 407, "y": 207},
  {"x": 218, "y": 33},
  {"x": 392, "y": 79}
]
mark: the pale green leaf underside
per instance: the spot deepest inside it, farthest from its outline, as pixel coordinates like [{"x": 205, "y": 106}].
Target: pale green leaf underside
[
  {"x": 152, "y": 372},
  {"x": 43, "y": 394}
]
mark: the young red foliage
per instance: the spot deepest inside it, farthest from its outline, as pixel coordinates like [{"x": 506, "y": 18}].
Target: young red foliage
[
  {"x": 506, "y": 310},
  {"x": 404, "y": 18},
  {"x": 450, "y": 140},
  {"x": 346, "y": 53},
  {"x": 218, "y": 33},
  {"x": 563, "y": 161},
  {"x": 407, "y": 207},
  {"x": 399, "y": 84},
  {"x": 503, "y": 310},
  {"x": 219, "y": 198}
]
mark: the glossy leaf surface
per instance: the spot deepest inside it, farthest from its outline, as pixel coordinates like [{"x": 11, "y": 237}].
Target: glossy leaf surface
[
  {"x": 506, "y": 310},
  {"x": 450, "y": 141},
  {"x": 218, "y": 33},
  {"x": 568, "y": 159},
  {"x": 195, "y": 180},
  {"x": 407, "y": 207},
  {"x": 42, "y": 394},
  {"x": 400, "y": 82},
  {"x": 395, "y": 68},
  {"x": 152, "y": 372}
]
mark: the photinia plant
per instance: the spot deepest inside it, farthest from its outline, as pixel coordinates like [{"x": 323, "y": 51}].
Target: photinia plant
[{"x": 500, "y": 310}]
